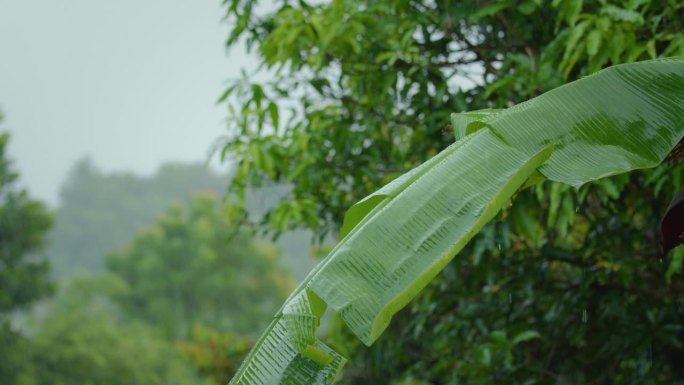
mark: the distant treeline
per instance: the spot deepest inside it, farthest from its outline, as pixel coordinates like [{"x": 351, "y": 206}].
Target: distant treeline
[{"x": 100, "y": 212}]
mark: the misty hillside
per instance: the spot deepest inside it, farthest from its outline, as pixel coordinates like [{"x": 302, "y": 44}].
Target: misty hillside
[{"x": 100, "y": 212}]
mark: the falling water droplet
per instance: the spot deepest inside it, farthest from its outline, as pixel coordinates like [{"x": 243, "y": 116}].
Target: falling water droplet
[
  {"x": 661, "y": 260},
  {"x": 650, "y": 354},
  {"x": 499, "y": 246},
  {"x": 576, "y": 209},
  {"x": 584, "y": 316},
  {"x": 510, "y": 298}
]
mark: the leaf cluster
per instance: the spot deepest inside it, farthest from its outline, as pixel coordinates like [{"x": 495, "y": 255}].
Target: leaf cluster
[{"x": 362, "y": 90}]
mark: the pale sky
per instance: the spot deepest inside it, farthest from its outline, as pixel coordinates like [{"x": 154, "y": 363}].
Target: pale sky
[{"x": 129, "y": 83}]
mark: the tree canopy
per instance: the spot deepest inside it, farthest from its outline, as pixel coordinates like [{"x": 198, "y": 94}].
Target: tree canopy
[
  {"x": 363, "y": 90},
  {"x": 82, "y": 338},
  {"x": 568, "y": 285},
  {"x": 23, "y": 226},
  {"x": 23, "y": 270},
  {"x": 185, "y": 270}
]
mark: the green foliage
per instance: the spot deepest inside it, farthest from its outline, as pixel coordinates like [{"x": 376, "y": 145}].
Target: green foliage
[
  {"x": 182, "y": 271},
  {"x": 363, "y": 89},
  {"x": 23, "y": 273},
  {"x": 399, "y": 242},
  {"x": 23, "y": 224},
  {"x": 100, "y": 212},
  {"x": 216, "y": 354},
  {"x": 13, "y": 350},
  {"x": 122, "y": 328},
  {"x": 82, "y": 340},
  {"x": 363, "y": 92}
]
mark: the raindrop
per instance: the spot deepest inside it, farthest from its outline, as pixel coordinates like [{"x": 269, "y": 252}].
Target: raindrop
[
  {"x": 510, "y": 298},
  {"x": 661, "y": 260},
  {"x": 650, "y": 354},
  {"x": 577, "y": 209},
  {"x": 499, "y": 246},
  {"x": 584, "y": 316}
]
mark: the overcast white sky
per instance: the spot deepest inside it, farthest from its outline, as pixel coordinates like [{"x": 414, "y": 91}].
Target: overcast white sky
[{"x": 130, "y": 83}]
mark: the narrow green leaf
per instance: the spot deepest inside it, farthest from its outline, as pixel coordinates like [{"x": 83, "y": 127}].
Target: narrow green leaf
[
  {"x": 525, "y": 336},
  {"x": 593, "y": 42},
  {"x": 273, "y": 112},
  {"x": 622, "y": 14}
]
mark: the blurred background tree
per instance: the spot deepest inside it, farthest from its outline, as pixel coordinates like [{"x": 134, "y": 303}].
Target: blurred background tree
[
  {"x": 182, "y": 271},
  {"x": 181, "y": 303},
  {"x": 568, "y": 286},
  {"x": 215, "y": 354},
  {"x": 99, "y": 212},
  {"x": 82, "y": 338},
  {"x": 23, "y": 271}
]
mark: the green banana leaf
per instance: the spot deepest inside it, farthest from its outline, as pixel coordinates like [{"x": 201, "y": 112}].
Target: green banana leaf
[{"x": 398, "y": 239}]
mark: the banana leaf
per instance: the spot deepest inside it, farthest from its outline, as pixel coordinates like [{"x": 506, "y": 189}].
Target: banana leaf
[{"x": 398, "y": 239}]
